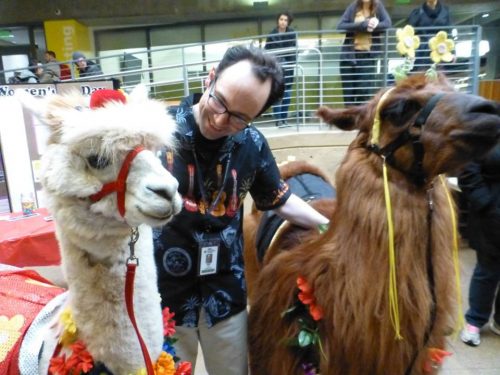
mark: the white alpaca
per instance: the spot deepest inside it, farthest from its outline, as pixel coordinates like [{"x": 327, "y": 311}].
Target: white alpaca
[{"x": 86, "y": 150}]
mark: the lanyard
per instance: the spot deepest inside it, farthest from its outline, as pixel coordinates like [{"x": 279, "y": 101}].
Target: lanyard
[{"x": 200, "y": 181}]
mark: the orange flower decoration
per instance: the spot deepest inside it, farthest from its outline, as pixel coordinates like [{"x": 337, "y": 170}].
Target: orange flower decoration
[
  {"x": 58, "y": 366},
  {"x": 184, "y": 368},
  {"x": 80, "y": 360},
  {"x": 165, "y": 365},
  {"x": 306, "y": 296},
  {"x": 436, "y": 358}
]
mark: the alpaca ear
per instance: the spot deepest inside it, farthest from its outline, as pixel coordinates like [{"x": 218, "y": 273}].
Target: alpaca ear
[
  {"x": 139, "y": 94},
  {"x": 344, "y": 119}
]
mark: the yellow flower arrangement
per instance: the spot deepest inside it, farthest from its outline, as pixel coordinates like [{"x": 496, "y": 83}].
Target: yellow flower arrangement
[
  {"x": 441, "y": 47},
  {"x": 408, "y": 42},
  {"x": 69, "y": 333},
  {"x": 10, "y": 331}
]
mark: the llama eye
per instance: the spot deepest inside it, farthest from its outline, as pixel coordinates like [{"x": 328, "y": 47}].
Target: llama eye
[{"x": 97, "y": 162}]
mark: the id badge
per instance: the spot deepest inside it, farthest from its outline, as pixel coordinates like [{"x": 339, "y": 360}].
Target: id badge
[{"x": 208, "y": 257}]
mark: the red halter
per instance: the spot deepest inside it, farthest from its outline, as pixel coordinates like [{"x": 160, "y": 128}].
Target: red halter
[{"x": 120, "y": 185}]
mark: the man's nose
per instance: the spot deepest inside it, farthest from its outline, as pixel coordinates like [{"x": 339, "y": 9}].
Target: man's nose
[{"x": 222, "y": 118}]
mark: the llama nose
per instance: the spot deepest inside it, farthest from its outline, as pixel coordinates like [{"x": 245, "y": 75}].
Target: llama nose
[
  {"x": 168, "y": 194},
  {"x": 485, "y": 107}
]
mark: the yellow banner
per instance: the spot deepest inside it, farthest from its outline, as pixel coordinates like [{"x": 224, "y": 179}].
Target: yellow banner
[{"x": 66, "y": 36}]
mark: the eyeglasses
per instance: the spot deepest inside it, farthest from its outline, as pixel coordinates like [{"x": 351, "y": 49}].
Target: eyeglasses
[{"x": 219, "y": 107}]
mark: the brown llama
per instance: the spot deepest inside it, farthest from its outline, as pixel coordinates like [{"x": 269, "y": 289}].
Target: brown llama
[
  {"x": 286, "y": 234},
  {"x": 421, "y": 136}
]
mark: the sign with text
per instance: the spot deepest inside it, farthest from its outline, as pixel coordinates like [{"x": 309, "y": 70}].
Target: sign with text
[
  {"x": 41, "y": 90},
  {"x": 67, "y": 36}
]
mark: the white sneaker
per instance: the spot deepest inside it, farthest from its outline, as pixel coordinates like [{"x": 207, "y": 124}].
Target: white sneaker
[
  {"x": 470, "y": 335},
  {"x": 495, "y": 327}
]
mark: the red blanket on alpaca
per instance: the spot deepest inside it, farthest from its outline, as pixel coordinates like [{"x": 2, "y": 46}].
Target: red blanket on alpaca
[{"x": 23, "y": 294}]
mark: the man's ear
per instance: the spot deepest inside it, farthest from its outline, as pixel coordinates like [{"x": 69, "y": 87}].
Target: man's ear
[
  {"x": 210, "y": 77},
  {"x": 344, "y": 119}
]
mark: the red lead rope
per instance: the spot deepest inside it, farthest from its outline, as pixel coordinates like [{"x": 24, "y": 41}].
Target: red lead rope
[
  {"x": 120, "y": 185},
  {"x": 129, "y": 299}
]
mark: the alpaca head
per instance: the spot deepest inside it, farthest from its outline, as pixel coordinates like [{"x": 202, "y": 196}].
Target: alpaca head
[
  {"x": 87, "y": 148},
  {"x": 459, "y": 127}
]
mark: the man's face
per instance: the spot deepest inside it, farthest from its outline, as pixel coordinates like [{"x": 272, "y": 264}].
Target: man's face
[
  {"x": 234, "y": 99},
  {"x": 81, "y": 63}
]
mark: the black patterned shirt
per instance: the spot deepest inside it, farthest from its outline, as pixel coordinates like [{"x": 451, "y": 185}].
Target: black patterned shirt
[{"x": 214, "y": 178}]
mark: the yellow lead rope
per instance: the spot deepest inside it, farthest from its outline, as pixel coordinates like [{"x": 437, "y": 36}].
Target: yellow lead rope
[
  {"x": 393, "y": 288},
  {"x": 456, "y": 262}
]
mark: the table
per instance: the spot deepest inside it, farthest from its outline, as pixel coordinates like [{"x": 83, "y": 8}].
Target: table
[{"x": 29, "y": 241}]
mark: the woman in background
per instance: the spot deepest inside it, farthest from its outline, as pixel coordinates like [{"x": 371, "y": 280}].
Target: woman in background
[
  {"x": 363, "y": 21},
  {"x": 284, "y": 38}
]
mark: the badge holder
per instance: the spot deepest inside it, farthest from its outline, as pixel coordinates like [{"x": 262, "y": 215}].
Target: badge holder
[{"x": 208, "y": 259}]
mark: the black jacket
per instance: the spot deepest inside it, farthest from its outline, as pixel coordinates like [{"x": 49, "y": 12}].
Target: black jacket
[
  {"x": 480, "y": 184},
  {"x": 288, "y": 39},
  {"x": 424, "y": 16}
]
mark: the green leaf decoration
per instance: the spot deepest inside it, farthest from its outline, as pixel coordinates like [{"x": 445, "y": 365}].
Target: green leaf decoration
[
  {"x": 288, "y": 311},
  {"x": 305, "y": 338},
  {"x": 322, "y": 228}
]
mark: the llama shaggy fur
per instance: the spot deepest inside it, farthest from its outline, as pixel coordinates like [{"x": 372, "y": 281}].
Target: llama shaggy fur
[
  {"x": 93, "y": 237},
  {"x": 348, "y": 266}
]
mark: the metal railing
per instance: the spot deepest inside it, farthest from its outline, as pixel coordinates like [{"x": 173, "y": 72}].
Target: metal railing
[{"x": 322, "y": 74}]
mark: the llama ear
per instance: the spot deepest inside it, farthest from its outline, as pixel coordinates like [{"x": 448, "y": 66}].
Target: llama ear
[
  {"x": 344, "y": 119},
  {"x": 139, "y": 94}
]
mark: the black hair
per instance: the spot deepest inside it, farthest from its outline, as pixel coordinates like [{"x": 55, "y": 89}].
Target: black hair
[
  {"x": 51, "y": 53},
  {"x": 288, "y": 15},
  {"x": 263, "y": 67}
]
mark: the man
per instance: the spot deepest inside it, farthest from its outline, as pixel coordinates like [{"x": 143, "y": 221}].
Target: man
[
  {"x": 52, "y": 65},
  {"x": 86, "y": 68},
  {"x": 219, "y": 159}
]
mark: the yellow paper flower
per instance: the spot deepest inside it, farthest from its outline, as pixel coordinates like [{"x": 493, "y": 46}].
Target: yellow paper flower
[
  {"x": 9, "y": 333},
  {"x": 165, "y": 365},
  {"x": 408, "y": 42},
  {"x": 441, "y": 47},
  {"x": 69, "y": 333}
]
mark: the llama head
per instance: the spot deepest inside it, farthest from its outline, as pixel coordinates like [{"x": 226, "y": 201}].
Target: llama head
[
  {"x": 422, "y": 123},
  {"x": 87, "y": 148}
]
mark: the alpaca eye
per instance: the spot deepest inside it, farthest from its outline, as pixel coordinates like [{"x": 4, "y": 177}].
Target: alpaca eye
[{"x": 97, "y": 162}]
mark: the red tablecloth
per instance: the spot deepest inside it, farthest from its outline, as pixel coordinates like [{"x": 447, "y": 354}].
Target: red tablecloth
[{"x": 29, "y": 241}]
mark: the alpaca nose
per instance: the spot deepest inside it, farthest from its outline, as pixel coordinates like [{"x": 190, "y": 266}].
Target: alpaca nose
[
  {"x": 168, "y": 194},
  {"x": 485, "y": 107}
]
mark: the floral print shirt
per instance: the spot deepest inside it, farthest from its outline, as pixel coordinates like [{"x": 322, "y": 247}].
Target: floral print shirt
[{"x": 214, "y": 178}]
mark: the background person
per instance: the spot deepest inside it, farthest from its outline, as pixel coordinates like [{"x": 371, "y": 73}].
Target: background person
[
  {"x": 86, "y": 68},
  {"x": 363, "y": 21},
  {"x": 52, "y": 64},
  {"x": 480, "y": 184},
  {"x": 432, "y": 13},
  {"x": 221, "y": 157},
  {"x": 281, "y": 37}
]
